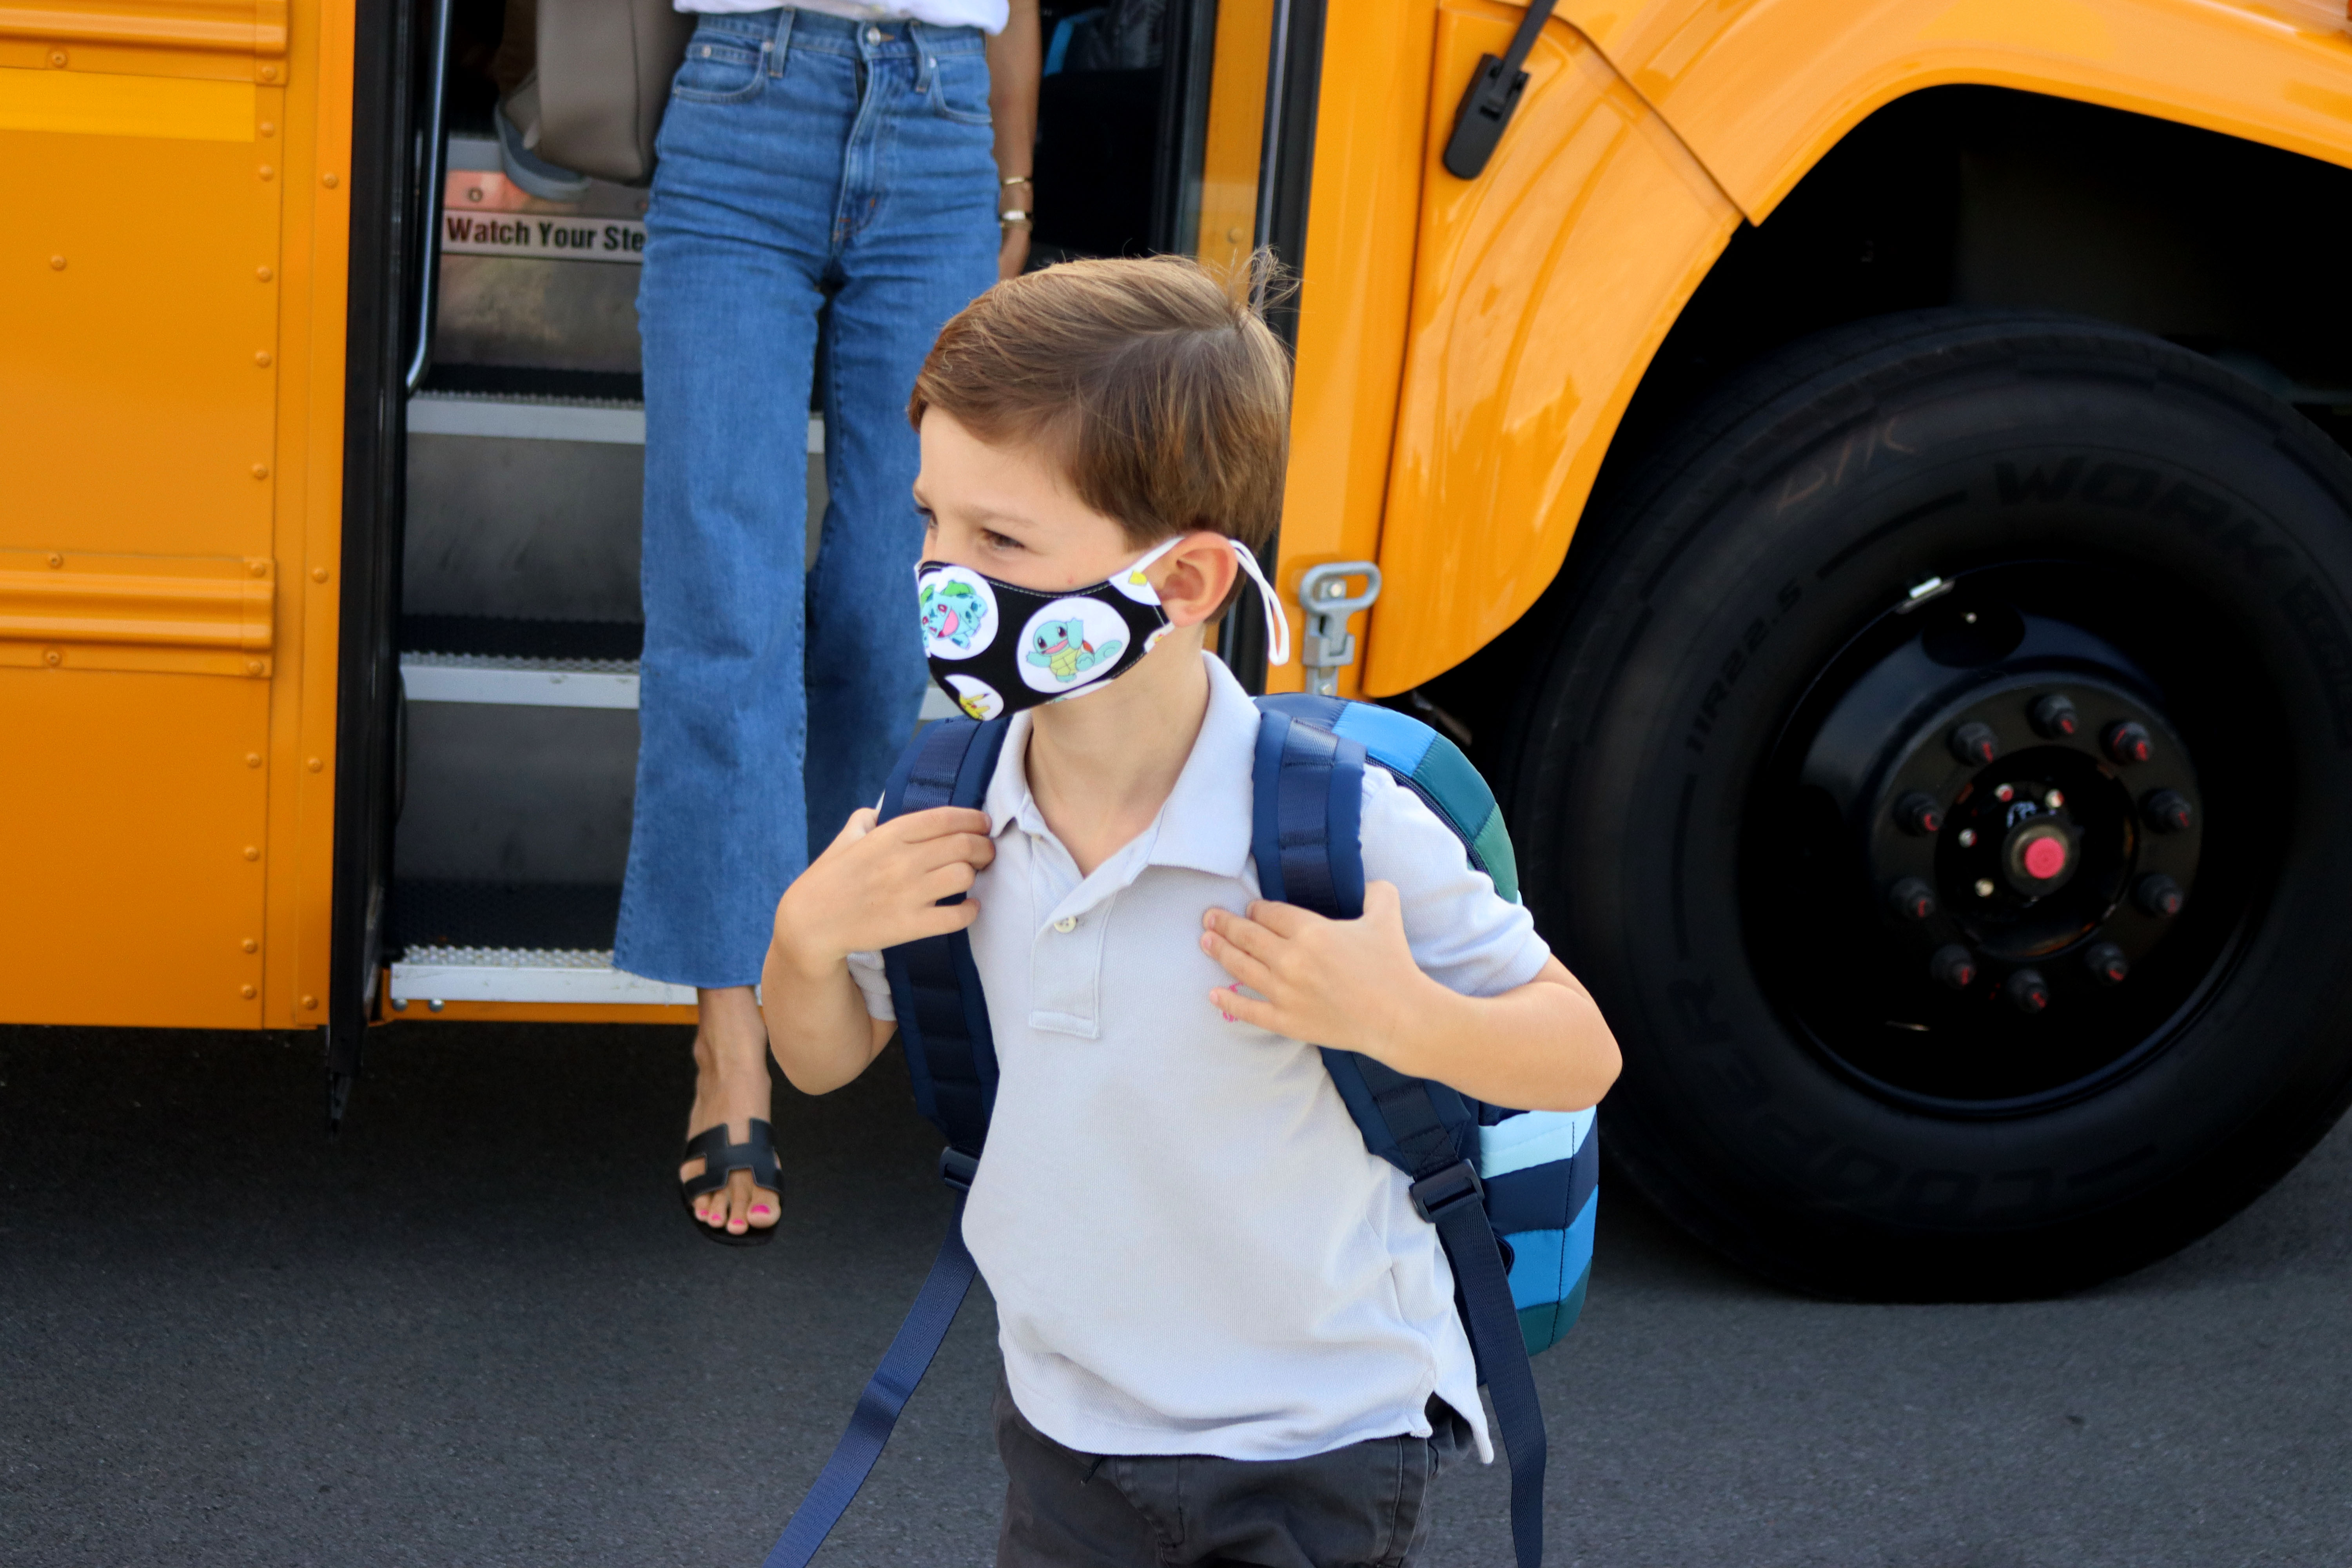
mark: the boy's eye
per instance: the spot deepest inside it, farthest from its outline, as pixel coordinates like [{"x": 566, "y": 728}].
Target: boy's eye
[{"x": 995, "y": 541}]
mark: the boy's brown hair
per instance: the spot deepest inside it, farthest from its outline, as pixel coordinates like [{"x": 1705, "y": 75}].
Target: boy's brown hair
[{"x": 1166, "y": 399}]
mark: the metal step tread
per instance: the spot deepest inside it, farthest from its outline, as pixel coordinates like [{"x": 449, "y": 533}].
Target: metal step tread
[
  {"x": 520, "y": 682},
  {"x": 524, "y": 417},
  {"x": 563, "y": 975}
]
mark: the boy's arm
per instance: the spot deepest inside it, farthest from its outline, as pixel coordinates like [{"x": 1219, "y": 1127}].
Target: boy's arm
[
  {"x": 875, "y": 886},
  {"x": 1354, "y": 985}
]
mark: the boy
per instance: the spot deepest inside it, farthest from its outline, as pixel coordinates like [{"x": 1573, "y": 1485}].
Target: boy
[{"x": 1227, "y": 1337}]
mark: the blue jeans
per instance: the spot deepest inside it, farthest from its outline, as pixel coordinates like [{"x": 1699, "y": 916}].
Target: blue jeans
[{"x": 803, "y": 157}]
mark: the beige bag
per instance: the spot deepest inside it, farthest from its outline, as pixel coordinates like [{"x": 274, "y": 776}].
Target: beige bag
[{"x": 604, "y": 81}]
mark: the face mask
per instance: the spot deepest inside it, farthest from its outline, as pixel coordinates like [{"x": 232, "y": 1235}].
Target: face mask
[{"x": 997, "y": 648}]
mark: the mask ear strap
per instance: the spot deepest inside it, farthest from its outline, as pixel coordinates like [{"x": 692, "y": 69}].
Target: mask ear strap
[{"x": 1277, "y": 625}]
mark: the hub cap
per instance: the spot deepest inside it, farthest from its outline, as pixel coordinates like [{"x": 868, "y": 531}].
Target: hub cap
[{"x": 1974, "y": 874}]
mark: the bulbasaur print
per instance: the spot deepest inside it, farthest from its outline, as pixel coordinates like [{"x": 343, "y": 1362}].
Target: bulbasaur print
[
  {"x": 1062, "y": 648},
  {"x": 952, "y": 612}
]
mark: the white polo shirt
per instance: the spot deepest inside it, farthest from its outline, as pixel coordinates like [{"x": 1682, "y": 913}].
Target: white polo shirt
[{"x": 1190, "y": 1249}]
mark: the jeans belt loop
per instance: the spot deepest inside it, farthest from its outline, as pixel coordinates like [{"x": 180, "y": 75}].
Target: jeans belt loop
[{"x": 782, "y": 43}]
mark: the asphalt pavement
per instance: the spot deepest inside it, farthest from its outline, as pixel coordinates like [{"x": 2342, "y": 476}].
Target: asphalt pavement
[{"x": 477, "y": 1329}]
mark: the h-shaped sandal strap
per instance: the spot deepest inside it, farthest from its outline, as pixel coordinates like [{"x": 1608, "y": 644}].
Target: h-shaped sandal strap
[{"x": 721, "y": 1159}]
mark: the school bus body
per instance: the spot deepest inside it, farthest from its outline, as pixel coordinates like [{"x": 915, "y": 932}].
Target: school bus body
[
  {"x": 1466, "y": 347},
  {"x": 177, "y": 183},
  {"x": 202, "y": 315}
]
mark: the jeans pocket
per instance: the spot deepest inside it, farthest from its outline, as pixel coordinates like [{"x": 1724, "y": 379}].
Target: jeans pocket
[
  {"x": 960, "y": 88},
  {"x": 719, "y": 68}
]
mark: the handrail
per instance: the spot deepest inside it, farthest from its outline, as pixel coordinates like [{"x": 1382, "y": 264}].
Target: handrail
[{"x": 437, "y": 153}]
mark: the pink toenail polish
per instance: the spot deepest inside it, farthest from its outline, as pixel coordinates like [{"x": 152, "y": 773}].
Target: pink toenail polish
[{"x": 759, "y": 1209}]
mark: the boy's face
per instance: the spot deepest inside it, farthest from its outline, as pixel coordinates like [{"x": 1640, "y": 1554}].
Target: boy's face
[{"x": 1007, "y": 511}]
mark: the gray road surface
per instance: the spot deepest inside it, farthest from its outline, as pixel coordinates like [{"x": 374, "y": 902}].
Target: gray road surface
[{"x": 477, "y": 1331}]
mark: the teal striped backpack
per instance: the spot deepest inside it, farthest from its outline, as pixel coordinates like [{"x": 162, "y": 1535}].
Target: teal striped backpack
[{"x": 1512, "y": 1194}]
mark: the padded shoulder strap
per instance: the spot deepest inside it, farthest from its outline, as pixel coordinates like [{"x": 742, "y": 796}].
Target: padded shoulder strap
[
  {"x": 1306, "y": 836},
  {"x": 942, "y": 1014}
]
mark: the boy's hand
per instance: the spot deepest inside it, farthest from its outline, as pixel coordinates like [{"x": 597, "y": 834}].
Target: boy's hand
[
  {"x": 877, "y": 886},
  {"x": 1348, "y": 985}
]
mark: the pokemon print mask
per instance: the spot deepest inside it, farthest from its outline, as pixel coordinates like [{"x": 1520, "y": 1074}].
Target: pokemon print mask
[{"x": 997, "y": 648}]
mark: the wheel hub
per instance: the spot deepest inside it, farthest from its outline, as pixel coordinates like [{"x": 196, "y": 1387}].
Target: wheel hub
[{"x": 1999, "y": 819}]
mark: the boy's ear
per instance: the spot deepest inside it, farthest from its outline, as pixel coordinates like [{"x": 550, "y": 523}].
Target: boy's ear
[{"x": 1193, "y": 579}]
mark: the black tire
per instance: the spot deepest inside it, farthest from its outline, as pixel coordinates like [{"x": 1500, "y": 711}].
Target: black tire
[{"x": 1728, "y": 613}]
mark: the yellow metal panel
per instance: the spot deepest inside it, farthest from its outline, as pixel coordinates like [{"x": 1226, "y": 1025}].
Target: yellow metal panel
[
  {"x": 168, "y": 546},
  {"x": 307, "y": 530},
  {"x": 1540, "y": 291},
  {"x": 1761, "y": 89},
  {"x": 1236, "y": 132},
  {"x": 88, "y": 104},
  {"x": 1364, "y": 202},
  {"x": 132, "y": 813}
]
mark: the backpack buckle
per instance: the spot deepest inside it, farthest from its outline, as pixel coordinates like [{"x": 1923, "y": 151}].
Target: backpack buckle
[
  {"x": 1434, "y": 1196},
  {"x": 957, "y": 1168}
]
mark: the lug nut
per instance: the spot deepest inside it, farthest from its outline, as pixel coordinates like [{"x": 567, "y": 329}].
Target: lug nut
[
  {"x": 2126, "y": 740},
  {"x": 1984, "y": 887},
  {"x": 2158, "y": 895},
  {"x": 2054, "y": 717},
  {"x": 1953, "y": 966},
  {"x": 2005, "y": 794},
  {"x": 2027, "y": 991},
  {"x": 1919, "y": 814},
  {"x": 1968, "y": 838},
  {"x": 1975, "y": 745},
  {"x": 2168, "y": 811},
  {"x": 1912, "y": 899},
  {"x": 2107, "y": 964}
]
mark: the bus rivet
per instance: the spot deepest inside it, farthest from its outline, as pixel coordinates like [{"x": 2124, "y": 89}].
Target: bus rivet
[
  {"x": 318, "y": 573},
  {"x": 435, "y": 1004},
  {"x": 57, "y": 264},
  {"x": 56, "y": 559},
  {"x": 258, "y": 568},
  {"x": 262, "y": 359},
  {"x": 253, "y": 851},
  {"x": 253, "y": 759},
  {"x": 262, "y": 274},
  {"x": 399, "y": 1003},
  {"x": 332, "y": 181},
  {"x": 260, "y": 471},
  {"x": 315, "y": 764},
  {"x": 269, "y": 73},
  {"x": 267, "y": 171},
  {"x": 254, "y": 667},
  {"x": 52, "y": 657},
  {"x": 250, "y": 945},
  {"x": 311, "y": 1003},
  {"x": 246, "y": 992},
  {"x": 58, "y": 58}
]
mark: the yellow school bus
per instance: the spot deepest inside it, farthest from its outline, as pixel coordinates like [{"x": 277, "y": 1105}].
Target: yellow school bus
[{"x": 1864, "y": 478}]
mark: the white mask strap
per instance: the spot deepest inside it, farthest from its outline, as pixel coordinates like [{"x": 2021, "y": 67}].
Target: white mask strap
[{"x": 1277, "y": 625}]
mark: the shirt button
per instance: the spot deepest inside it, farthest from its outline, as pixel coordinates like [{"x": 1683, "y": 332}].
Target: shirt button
[
  {"x": 873, "y": 34},
  {"x": 1066, "y": 924}
]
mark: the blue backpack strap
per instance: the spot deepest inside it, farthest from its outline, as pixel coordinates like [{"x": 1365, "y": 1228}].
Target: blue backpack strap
[
  {"x": 951, "y": 1057},
  {"x": 942, "y": 1015},
  {"x": 1307, "y": 837}
]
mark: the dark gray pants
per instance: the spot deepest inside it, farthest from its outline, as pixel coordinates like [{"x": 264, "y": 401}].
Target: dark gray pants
[{"x": 1363, "y": 1506}]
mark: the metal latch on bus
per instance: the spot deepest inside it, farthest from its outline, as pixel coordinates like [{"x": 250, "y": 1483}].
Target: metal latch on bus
[{"x": 1327, "y": 645}]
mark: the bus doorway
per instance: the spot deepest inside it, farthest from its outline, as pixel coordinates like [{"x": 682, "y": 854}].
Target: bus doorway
[{"x": 518, "y": 625}]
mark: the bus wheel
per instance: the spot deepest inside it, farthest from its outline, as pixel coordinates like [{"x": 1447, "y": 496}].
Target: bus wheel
[{"x": 1940, "y": 777}]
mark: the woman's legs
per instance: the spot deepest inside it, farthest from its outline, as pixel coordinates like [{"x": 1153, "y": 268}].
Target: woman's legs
[
  {"x": 917, "y": 243},
  {"x": 743, "y": 203}
]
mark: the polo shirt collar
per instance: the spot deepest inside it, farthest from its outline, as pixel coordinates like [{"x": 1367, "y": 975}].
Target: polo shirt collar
[{"x": 1205, "y": 824}]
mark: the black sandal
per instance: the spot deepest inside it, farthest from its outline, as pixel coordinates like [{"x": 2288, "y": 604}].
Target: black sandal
[{"x": 721, "y": 1159}]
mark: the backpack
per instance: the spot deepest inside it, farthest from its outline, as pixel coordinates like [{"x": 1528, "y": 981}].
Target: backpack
[{"x": 1512, "y": 1194}]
